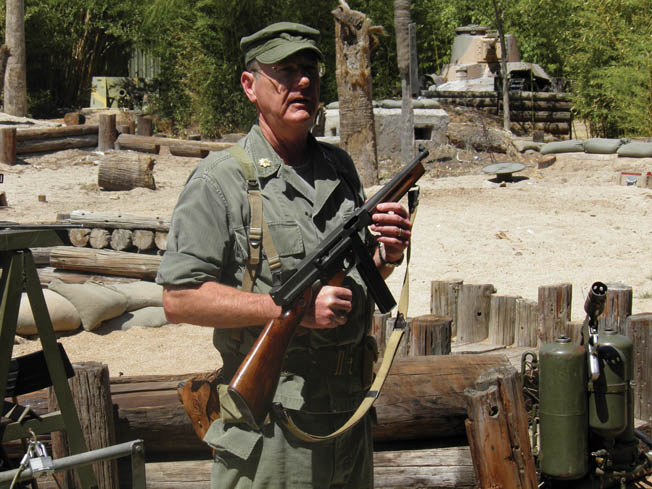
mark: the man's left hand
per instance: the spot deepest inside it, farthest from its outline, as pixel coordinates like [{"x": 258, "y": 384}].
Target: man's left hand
[{"x": 391, "y": 222}]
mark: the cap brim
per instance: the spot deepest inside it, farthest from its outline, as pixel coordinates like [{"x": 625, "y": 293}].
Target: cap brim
[{"x": 286, "y": 50}]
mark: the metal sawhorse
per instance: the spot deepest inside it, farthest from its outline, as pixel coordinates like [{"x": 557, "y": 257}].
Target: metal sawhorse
[{"x": 18, "y": 275}]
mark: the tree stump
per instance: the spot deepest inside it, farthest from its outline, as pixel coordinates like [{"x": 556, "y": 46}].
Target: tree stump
[
  {"x": 126, "y": 175},
  {"x": 497, "y": 430},
  {"x": 144, "y": 125},
  {"x": 79, "y": 237},
  {"x": 429, "y": 335},
  {"x": 354, "y": 42},
  {"x": 554, "y": 311},
  {"x": 639, "y": 330},
  {"x": 92, "y": 396},
  {"x": 107, "y": 133},
  {"x": 527, "y": 322},
  {"x": 8, "y": 146},
  {"x": 121, "y": 239},
  {"x": 99, "y": 238},
  {"x": 404, "y": 345},
  {"x": 502, "y": 319},
  {"x": 143, "y": 239},
  {"x": 474, "y": 307},
  {"x": 444, "y": 295},
  {"x": 617, "y": 307}
]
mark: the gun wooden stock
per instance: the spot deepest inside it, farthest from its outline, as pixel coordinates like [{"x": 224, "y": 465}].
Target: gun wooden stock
[{"x": 254, "y": 384}]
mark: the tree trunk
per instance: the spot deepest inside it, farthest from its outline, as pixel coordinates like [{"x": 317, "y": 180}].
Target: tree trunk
[
  {"x": 402, "y": 28},
  {"x": 354, "y": 43},
  {"x": 15, "y": 81}
]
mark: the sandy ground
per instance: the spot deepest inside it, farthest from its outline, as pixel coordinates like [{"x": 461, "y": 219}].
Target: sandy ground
[{"x": 571, "y": 222}]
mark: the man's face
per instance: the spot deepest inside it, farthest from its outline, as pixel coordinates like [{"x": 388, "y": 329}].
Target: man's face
[{"x": 287, "y": 92}]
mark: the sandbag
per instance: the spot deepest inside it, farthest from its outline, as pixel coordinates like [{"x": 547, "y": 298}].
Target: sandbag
[
  {"x": 147, "y": 317},
  {"x": 140, "y": 294},
  {"x": 636, "y": 149},
  {"x": 522, "y": 146},
  {"x": 603, "y": 146},
  {"x": 63, "y": 314},
  {"x": 570, "y": 146},
  {"x": 94, "y": 302}
]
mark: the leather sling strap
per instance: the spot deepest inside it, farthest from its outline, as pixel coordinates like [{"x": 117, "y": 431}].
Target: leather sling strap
[
  {"x": 258, "y": 230},
  {"x": 390, "y": 352}
]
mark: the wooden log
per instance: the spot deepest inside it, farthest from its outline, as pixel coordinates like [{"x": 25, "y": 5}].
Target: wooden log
[
  {"x": 575, "y": 331},
  {"x": 444, "y": 295},
  {"x": 143, "y": 240},
  {"x": 115, "y": 221},
  {"x": 474, "y": 307},
  {"x": 130, "y": 141},
  {"x": 379, "y": 330},
  {"x": 74, "y": 118},
  {"x": 549, "y": 127},
  {"x": 639, "y": 330},
  {"x": 107, "y": 133},
  {"x": 99, "y": 238},
  {"x": 121, "y": 239},
  {"x": 429, "y": 335},
  {"x": 526, "y": 322},
  {"x": 143, "y": 146},
  {"x": 190, "y": 150},
  {"x": 123, "y": 129},
  {"x": 40, "y": 133},
  {"x": 545, "y": 105},
  {"x": 126, "y": 175},
  {"x": 144, "y": 125},
  {"x": 539, "y": 116},
  {"x": 617, "y": 308},
  {"x": 554, "y": 311},
  {"x": 79, "y": 237},
  {"x": 106, "y": 262},
  {"x": 91, "y": 393},
  {"x": 42, "y": 145},
  {"x": 497, "y": 430},
  {"x": 404, "y": 345},
  {"x": 8, "y": 146},
  {"x": 48, "y": 274},
  {"x": 445, "y": 468},
  {"x": 161, "y": 240},
  {"x": 502, "y": 319}
]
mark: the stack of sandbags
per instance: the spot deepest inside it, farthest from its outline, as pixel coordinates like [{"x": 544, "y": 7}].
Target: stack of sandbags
[{"x": 92, "y": 304}]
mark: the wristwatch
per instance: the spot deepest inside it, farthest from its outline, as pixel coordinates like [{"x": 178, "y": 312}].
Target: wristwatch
[{"x": 383, "y": 258}]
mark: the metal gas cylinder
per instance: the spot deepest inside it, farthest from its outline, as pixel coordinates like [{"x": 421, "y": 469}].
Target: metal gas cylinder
[
  {"x": 610, "y": 396},
  {"x": 563, "y": 411}
]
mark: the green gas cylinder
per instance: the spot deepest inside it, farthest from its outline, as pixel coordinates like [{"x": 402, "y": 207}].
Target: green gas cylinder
[
  {"x": 611, "y": 410},
  {"x": 563, "y": 411}
]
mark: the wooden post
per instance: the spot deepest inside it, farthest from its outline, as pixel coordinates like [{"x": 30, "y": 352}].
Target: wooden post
[
  {"x": 92, "y": 395},
  {"x": 575, "y": 332},
  {"x": 161, "y": 240},
  {"x": 73, "y": 118},
  {"x": 497, "y": 430},
  {"x": 617, "y": 308},
  {"x": 121, "y": 239},
  {"x": 502, "y": 319},
  {"x": 404, "y": 346},
  {"x": 8, "y": 146},
  {"x": 554, "y": 311},
  {"x": 430, "y": 335},
  {"x": 379, "y": 331},
  {"x": 639, "y": 330},
  {"x": 444, "y": 295},
  {"x": 79, "y": 237},
  {"x": 143, "y": 239},
  {"x": 144, "y": 125},
  {"x": 107, "y": 133},
  {"x": 99, "y": 238},
  {"x": 473, "y": 311},
  {"x": 527, "y": 322}
]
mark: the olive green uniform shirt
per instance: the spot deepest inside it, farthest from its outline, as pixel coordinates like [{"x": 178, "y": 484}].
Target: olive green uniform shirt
[{"x": 208, "y": 241}]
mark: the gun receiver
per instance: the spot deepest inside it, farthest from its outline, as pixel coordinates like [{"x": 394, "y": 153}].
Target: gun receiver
[{"x": 254, "y": 384}]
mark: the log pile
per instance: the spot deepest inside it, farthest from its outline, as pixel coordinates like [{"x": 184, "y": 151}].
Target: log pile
[{"x": 529, "y": 111}]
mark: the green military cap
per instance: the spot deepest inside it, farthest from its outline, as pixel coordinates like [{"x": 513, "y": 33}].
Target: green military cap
[{"x": 278, "y": 41}]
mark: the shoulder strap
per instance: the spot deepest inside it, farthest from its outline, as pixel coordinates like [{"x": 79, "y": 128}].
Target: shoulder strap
[
  {"x": 390, "y": 352},
  {"x": 258, "y": 229}
]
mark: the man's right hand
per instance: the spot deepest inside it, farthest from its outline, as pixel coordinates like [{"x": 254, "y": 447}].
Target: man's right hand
[{"x": 330, "y": 308}]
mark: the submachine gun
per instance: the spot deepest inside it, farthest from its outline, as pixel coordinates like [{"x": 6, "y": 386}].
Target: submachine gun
[
  {"x": 254, "y": 384},
  {"x": 584, "y": 411}
]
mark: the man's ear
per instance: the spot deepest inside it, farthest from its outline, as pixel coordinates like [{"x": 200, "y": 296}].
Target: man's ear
[{"x": 248, "y": 80}]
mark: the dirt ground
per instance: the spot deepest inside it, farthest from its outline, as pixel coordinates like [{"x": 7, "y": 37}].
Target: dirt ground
[{"x": 571, "y": 222}]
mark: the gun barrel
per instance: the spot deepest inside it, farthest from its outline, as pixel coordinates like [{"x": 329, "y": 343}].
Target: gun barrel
[{"x": 595, "y": 300}]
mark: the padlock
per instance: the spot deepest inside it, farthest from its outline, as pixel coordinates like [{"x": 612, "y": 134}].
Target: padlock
[{"x": 40, "y": 462}]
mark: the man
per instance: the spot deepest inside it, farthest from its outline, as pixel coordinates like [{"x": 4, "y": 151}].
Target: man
[{"x": 308, "y": 188}]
